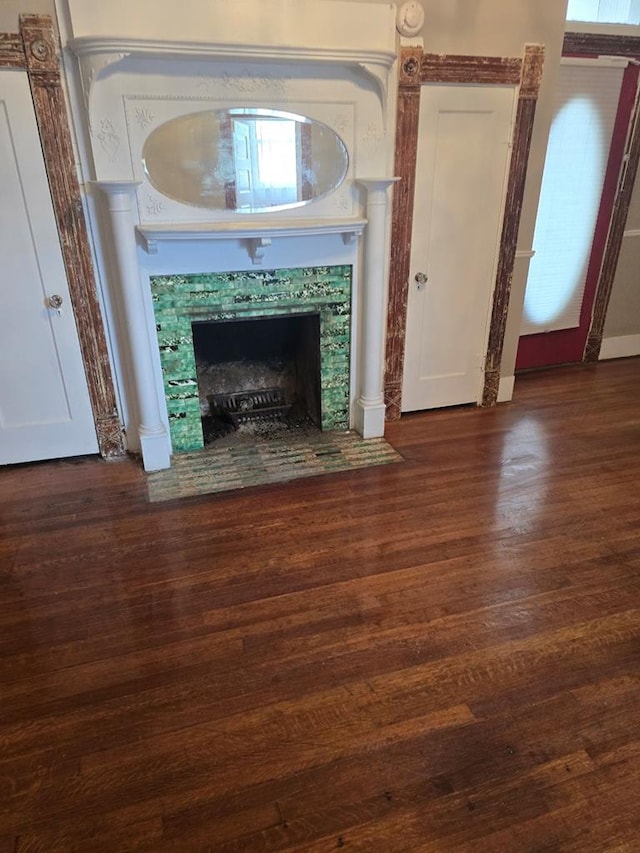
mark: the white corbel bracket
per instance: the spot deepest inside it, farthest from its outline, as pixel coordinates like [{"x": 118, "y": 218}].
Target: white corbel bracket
[{"x": 255, "y": 248}]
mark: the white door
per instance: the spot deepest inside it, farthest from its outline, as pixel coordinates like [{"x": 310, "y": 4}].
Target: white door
[
  {"x": 461, "y": 174},
  {"x": 45, "y": 411},
  {"x": 242, "y": 163}
]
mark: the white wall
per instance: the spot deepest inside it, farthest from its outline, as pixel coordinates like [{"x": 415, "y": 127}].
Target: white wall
[
  {"x": 11, "y": 9},
  {"x": 622, "y": 327}
]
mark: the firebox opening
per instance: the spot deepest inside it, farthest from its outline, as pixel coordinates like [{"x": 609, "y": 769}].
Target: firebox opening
[{"x": 258, "y": 377}]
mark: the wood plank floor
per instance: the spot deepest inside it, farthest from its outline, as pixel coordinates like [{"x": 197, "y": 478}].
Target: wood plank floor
[{"x": 442, "y": 654}]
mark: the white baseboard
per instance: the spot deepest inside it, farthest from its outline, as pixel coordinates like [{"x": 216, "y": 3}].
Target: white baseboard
[
  {"x": 505, "y": 388},
  {"x": 620, "y": 347}
]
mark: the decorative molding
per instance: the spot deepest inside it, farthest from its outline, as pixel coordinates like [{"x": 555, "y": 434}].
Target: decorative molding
[
  {"x": 40, "y": 49},
  {"x": 144, "y": 118},
  {"x": 410, "y": 18},
  {"x": 154, "y": 205},
  {"x": 372, "y": 138},
  {"x": 12, "y": 51},
  {"x": 401, "y": 227},
  {"x": 91, "y": 66},
  {"x": 341, "y": 122},
  {"x": 248, "y": 82},
  {"x": 532, "y": 68},
  {"x": 600, "y": 44},
  {"x": 531, "y": 71},
  {"x": 632, "y": 232},
  {"x": 521, "y": 146},
  {"x": 96, "y": 53},
  {"x": 108, "y": 139},
  {"x": 505, "y": 71},
  {"x": 525, "y": 253},
  {"x": 256, "y": 235},
  {"x": 417, "y": 69}
]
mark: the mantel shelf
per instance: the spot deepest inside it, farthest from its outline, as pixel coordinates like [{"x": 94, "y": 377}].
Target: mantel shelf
[{"x": 255, "y": 235}]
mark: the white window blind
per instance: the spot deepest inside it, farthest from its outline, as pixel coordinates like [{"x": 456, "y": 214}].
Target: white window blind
[
  {"x": 586, "y": 105},
  {"x": 604, "y": 11}
]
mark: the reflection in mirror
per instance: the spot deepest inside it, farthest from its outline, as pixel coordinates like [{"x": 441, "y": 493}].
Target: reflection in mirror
[{"x": 248, "y": 160}]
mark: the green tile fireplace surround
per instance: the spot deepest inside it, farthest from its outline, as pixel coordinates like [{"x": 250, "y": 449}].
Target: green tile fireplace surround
[{"x": 180, "y": 300}]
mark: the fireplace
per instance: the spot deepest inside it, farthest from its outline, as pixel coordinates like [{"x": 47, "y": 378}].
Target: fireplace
[
  {"x": 175, "y": 261},
  {"x": 258, "y": 378},
  {"x": 254, "y": 328}
]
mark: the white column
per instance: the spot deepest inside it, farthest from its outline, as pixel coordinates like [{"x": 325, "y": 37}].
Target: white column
[
  {"x": 154, "y": 441},
  {"x": 370, "y": 408}
]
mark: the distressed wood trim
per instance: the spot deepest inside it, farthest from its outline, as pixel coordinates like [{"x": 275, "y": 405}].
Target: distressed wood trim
[
  {"x": 416, "y": 70},
  {"x": 523, "y": 131},
  {"x": 531, "y": 79},
  {"x": 532, "y": 68},
  {"x": 402, "y": 223},
  {"x": 11, "y": 51},
  {"x": 614, "y": 240},
  {"x": 598, "y": 44},
  {"x": 435, "y": 68},
  {"x": 40, "y": 49}
]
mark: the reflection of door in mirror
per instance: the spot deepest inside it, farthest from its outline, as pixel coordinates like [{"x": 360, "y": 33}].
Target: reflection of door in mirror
[
  {"x": 266, "y": 155},
  {"x": 244, "y": 159},
  {"x": 242, "y": 166}
]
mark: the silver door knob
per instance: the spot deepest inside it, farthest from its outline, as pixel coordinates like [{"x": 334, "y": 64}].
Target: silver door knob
[
  {"x": 421, "y": 280},
  {"x": 54, "y": 301}
]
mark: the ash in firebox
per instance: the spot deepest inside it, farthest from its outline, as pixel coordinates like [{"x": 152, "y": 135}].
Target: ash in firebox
[{"x": 221, "y": 428}]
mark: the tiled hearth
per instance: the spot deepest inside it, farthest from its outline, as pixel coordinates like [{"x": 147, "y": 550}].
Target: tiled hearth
[{"x": 180, "y": 300}]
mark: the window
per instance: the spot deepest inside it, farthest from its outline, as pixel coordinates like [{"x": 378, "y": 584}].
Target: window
[
  {"x": 604, "y": 11},
  {"x": 586, "y": 104}
]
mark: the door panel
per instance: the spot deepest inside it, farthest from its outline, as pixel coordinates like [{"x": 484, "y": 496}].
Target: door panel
[
  {"x": 44, "y": 403},
  {"x": 463, "y": 156}
]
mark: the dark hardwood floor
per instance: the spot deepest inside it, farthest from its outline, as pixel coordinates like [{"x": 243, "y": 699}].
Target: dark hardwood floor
[{"x": 442, "y": 654}]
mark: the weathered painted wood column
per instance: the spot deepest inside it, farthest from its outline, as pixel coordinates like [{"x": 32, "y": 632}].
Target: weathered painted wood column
[
  {"x": 154, "y": 440},
  {"x": 370, "y": 407}
]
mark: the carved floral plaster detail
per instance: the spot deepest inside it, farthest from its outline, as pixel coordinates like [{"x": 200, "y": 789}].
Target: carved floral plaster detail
[
  {"x": 108, "y": 139},
  {"x": 341, "y": 202},
  {"x": 144, "y": 117},
  {"x": 245, "y": 81},
  {"x": 372, "y": 138},
  {"x": 341, "y": 122},
  {"x": 154, "y": 206},
  {"x": 248, "y": 82}
]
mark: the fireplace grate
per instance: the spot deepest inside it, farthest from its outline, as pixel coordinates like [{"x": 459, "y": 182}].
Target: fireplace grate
[{"x": 265, "y": 404}]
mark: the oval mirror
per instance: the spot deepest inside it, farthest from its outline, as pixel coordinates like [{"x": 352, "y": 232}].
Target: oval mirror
[{"x": 248, "y": 160}]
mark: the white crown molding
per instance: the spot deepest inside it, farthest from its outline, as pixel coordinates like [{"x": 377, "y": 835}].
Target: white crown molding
[{"x": 97, "y": 53}]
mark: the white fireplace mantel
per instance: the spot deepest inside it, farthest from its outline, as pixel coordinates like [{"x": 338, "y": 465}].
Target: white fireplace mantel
[
  {"x": 255, "y": 235},
  {"x": 146, "y": 63}
]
